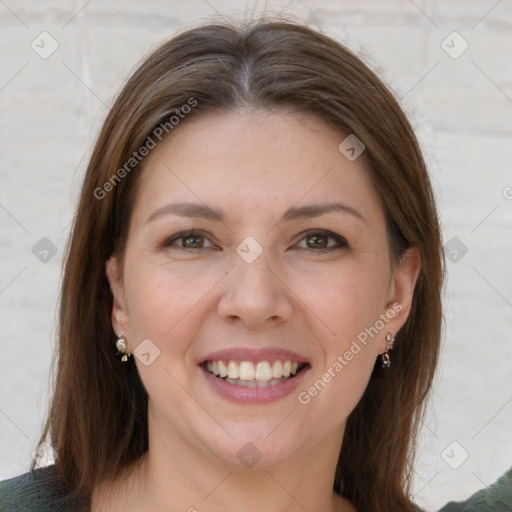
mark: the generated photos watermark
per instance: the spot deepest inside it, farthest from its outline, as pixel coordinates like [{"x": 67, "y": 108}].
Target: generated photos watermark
[
  {"x": 151, "y": 142},
  {"x": 304, "y": 397}
]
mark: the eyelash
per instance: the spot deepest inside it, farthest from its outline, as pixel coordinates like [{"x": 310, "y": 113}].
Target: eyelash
[{"x": 341, "y": 242}]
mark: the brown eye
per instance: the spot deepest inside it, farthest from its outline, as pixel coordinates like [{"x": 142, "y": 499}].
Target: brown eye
[
  {"x": 318, "y": 241},
  {"x": 189, "y": 240}
]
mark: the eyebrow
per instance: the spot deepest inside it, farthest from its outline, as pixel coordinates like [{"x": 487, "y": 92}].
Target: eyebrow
[{"x": 293, "y": 213}]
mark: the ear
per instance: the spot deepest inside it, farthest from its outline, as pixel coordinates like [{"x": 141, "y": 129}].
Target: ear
[
  {"x": 401, "y": 291},
  {"x": 119, "y": 317}
]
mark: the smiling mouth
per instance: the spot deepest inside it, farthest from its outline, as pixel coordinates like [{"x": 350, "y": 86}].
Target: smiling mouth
[{"x": 248, "y": 374}]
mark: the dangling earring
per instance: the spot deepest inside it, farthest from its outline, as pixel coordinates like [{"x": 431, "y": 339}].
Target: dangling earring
[
  {"x": 121, "y": 347},
  {"x": 386, "y": 363}
]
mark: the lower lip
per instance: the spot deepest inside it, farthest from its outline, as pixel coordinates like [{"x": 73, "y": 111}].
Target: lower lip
[{"x": 244, "y": 395}]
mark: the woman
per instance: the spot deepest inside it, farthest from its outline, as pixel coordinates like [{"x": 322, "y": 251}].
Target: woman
[{"x": 257, "y": 242}]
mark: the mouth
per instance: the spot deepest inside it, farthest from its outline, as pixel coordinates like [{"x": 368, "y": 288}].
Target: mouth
[{"x": 254, "y": 374}]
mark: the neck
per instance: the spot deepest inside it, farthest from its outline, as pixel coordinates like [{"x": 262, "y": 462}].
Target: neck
[{"x": 175, "y": 473}]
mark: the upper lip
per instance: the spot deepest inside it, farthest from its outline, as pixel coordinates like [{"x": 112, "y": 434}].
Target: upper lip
[{"x": 254, "y": 355}]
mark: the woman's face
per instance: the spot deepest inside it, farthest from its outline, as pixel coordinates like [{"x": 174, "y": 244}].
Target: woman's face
[{"x": 268, "y": 277}]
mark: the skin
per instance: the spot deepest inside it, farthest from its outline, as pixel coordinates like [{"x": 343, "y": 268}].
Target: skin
[{"x": 254, "y": 165}]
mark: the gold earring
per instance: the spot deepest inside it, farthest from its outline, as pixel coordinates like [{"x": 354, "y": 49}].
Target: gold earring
[
  {"x": 386, "y": 362},
  {"x": 121, "y": 347}
]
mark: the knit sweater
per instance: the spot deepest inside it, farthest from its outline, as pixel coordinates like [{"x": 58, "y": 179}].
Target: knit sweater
[{"x": 41, "y": 491}]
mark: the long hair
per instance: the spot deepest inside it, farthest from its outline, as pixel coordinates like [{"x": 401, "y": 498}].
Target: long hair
[{"x": 97, "y": 421}]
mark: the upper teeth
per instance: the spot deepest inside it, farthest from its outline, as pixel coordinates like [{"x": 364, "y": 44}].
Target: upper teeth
[{"x": 247, "y": 370}]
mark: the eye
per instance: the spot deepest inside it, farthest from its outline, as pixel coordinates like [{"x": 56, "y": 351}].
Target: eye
[
  {"x": 317, "y": 241},
  {"x": 191, "y": 240}
]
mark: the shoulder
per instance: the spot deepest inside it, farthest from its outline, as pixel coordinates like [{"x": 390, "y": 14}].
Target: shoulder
[
  {"x": 495, "y": 498},
  {"x": 40, "y": 490}
]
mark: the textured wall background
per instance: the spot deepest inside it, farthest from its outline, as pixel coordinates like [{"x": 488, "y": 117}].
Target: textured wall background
[{"x": 448, "y": 62}]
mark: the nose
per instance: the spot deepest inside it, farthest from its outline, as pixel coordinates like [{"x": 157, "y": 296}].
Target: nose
[{"x": 256, "y": 295}]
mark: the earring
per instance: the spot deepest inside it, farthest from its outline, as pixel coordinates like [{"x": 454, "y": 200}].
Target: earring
[
  {"x": 386, "y": 362},
  {"x": 121, "y": 347}
]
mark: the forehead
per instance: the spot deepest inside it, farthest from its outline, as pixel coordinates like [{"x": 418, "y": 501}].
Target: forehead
[{"x": 254, "y": 159}]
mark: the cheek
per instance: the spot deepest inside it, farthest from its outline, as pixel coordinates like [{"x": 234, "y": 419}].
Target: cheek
[
  {"x": 150, "y": 302},
  {"x": 349, "y": 299},
  {"x": 351, "y": 307},
  {"x": 161, "y": 298},
  {"x": 161, "y": 309},
  {"x": 337, "y": 390}
]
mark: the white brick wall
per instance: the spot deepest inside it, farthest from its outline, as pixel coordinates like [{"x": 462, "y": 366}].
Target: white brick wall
[{"x": 50, "y": 112}]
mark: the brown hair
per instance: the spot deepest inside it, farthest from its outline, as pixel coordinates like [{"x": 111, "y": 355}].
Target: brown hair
[{"x": 97, "y": 422}]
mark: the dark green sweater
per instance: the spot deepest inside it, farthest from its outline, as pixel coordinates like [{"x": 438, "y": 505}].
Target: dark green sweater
[{"x": 42, "y": 492}]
